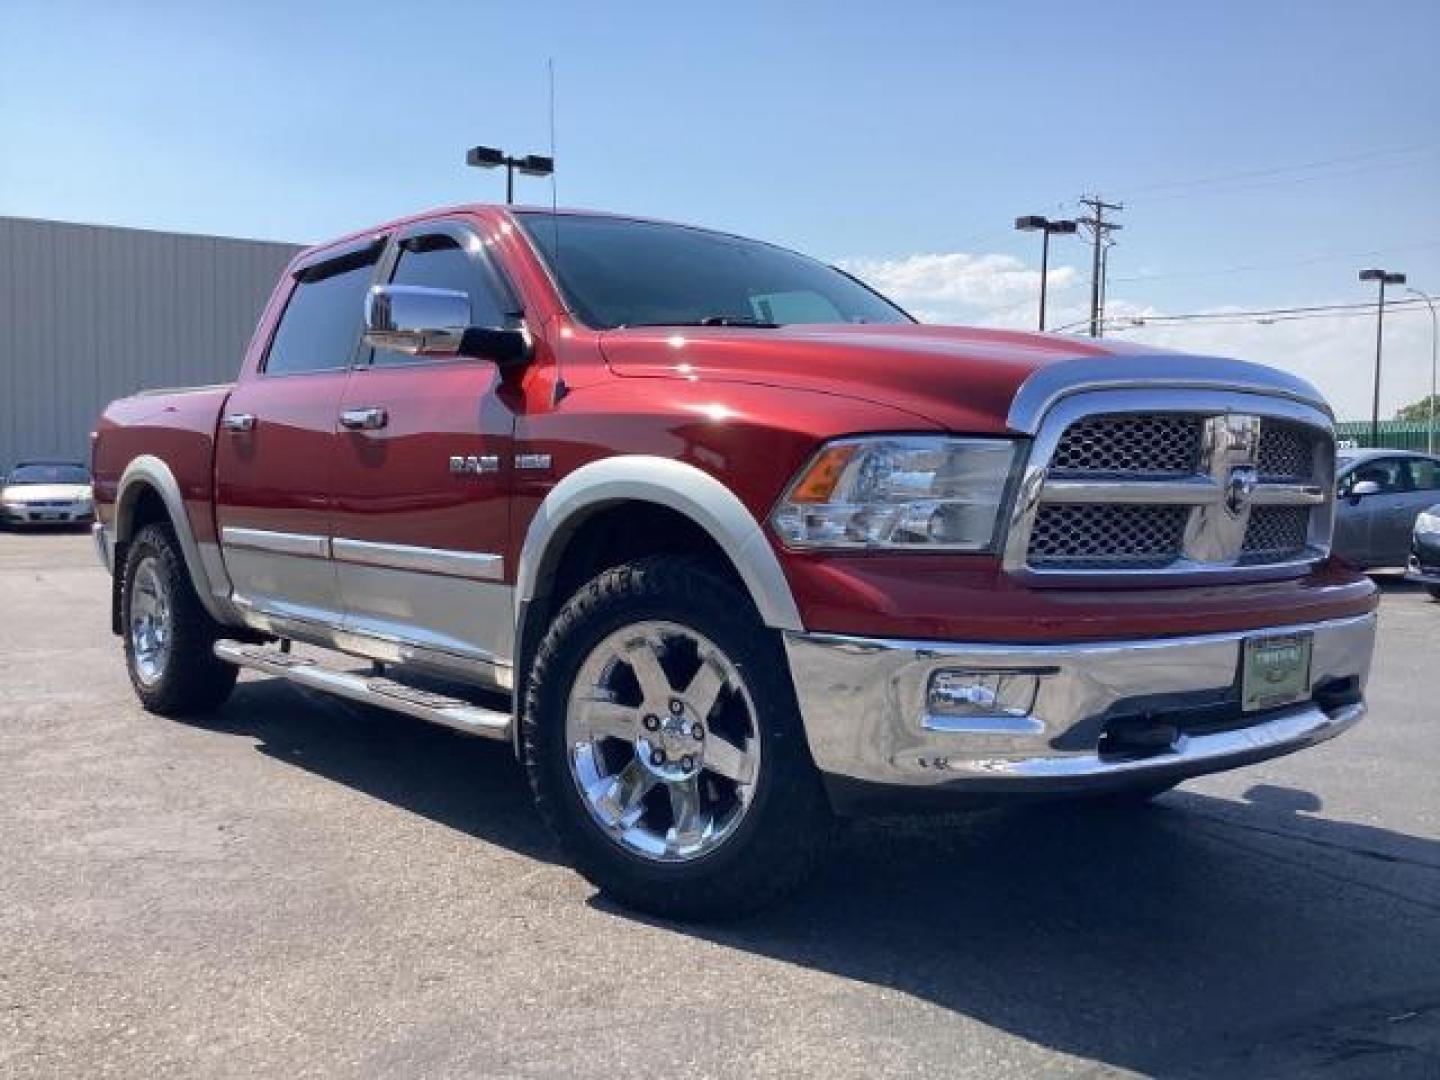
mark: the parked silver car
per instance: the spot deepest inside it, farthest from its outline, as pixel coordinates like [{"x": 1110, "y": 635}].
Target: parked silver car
[
  {"x": 1382, "y": 492},
  {"x": 1425, "y": 551},
  {"x": 46, "y": 493}
]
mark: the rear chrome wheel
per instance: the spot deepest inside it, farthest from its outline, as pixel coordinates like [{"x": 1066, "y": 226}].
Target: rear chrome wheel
[
  {"x": 664, "y": 747},
  {"x": 150, "y": 622}
]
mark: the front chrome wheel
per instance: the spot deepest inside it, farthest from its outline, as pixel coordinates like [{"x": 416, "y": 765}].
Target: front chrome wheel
[
  {"x": 663, "y": 741},
  {"x": 150, "y": 622}
]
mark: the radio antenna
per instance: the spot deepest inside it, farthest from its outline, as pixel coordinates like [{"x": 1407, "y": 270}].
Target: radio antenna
[{"x": 560, "y": 388}]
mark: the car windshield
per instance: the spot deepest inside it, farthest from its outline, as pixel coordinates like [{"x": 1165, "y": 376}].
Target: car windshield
[
  {"x": 616, "y": 272},
  {"x": 48, "y": 474}
]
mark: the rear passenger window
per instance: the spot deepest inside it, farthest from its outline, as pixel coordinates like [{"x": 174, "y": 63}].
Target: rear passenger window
[
  {"x": 438, "y": 262},
  {"x": 321, "y": 324}
]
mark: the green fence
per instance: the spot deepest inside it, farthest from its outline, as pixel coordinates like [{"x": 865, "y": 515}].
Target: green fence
[{"x": 1394, "y": 434}]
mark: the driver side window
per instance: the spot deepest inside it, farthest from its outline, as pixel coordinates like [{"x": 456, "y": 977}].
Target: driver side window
[{"x": 1388, "y": 474}]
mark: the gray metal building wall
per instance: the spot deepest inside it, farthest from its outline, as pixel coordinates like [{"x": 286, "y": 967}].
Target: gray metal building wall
[{"x": 90, "y": 313}]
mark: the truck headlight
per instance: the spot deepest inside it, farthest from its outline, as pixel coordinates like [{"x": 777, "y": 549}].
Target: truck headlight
[
  {"x": 899, "y": 492},
  {"x": 1427, "y": 524}
]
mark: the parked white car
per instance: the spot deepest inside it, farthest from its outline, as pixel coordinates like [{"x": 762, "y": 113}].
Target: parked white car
[{"x": 47, "y": 493}]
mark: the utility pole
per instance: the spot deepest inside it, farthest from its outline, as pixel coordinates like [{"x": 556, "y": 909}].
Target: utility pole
[{"x": 1100, "y": 230}]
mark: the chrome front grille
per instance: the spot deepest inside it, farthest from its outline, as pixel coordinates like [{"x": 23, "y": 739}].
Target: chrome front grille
[
  {"x": 1135, "y": 446},
  {"x": 1175, "y": 491}
]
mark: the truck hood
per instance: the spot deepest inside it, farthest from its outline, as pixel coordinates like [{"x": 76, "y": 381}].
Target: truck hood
[{"x": 963, "y": 379}]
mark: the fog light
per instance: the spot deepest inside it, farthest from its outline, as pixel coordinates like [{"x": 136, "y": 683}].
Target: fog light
[{"x": 981, "y": 693}]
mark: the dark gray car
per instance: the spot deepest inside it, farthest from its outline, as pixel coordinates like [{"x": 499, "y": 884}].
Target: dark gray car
[{"x": 1382, "y": 492}]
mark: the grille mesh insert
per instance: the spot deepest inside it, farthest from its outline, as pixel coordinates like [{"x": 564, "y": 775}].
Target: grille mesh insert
[
  {"x": 1275, "y": 533},
  {"x": 1287, "y": 452},
  {"x": 1129, "y": 446},
  {"x": 1111, "y": 536}
]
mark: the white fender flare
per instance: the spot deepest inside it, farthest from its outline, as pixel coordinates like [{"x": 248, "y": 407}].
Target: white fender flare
[
  {"x": 212, "y": 583},
  {"x": 669, "y": 483}
]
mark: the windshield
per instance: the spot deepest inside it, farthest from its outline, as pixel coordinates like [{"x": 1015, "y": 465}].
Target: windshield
[
  {"x": 48, "y": 474},
  {"x": 614, "y": 272}
]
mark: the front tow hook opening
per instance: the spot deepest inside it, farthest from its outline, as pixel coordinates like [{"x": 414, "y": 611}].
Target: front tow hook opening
[{"x": 1138, "y": 736}]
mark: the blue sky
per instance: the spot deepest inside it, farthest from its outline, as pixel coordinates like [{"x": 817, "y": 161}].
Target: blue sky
[{"x": 1289, "y": 140}]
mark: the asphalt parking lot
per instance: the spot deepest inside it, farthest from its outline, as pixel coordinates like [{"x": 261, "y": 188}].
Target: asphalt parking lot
[{"x": 297, "y": 886}]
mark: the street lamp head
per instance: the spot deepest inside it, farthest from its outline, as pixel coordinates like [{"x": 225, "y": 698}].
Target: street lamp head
[
  {"x": 535, "y": 165},
  {"x": 1065, "y": 227},
  {"x": 1384, "y": 276},
  {"x": 1031, "y": 223},
  {"x": 484, "y": 157}
]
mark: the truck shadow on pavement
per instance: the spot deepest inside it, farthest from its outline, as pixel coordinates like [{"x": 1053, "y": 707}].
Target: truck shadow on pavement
[{"x": 1197, "y": 936}]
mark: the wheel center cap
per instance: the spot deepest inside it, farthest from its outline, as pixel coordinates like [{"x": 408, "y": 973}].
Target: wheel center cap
[{"x": 672, "y": 750}]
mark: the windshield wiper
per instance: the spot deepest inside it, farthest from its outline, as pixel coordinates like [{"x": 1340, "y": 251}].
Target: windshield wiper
[{"x": 710, "y": 320}]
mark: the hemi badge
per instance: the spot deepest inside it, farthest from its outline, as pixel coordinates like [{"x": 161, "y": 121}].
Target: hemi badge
[{"x": 532, "y": 461}]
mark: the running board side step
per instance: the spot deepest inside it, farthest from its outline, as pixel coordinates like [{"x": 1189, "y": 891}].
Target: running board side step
[{"x": 367, "y": 689}]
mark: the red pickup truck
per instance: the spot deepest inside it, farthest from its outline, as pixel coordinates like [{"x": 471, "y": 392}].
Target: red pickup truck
[{"x": 728, "y": 545}]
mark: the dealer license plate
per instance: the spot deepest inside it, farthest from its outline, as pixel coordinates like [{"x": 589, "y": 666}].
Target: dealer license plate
[{"x": 1275, "y": 671}]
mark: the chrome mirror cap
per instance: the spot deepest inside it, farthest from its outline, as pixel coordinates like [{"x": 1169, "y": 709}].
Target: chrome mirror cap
[{"x": 416, "y": 320}]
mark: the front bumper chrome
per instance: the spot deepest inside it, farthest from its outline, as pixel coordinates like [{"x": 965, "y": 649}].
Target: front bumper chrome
[{"x": 864, "y": 704}]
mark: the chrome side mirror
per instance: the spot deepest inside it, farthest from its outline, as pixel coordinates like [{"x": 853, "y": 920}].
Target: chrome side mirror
[
  {"x": 416, "y": 320},
  {"x": 419, "y": 321},
  {"x": 1364, "y": 487}
]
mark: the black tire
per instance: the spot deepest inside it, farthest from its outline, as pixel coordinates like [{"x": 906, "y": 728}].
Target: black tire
[
  {"x": 189, "y": 679},
  {"x": 784, "y": 833},
  {"x": 1434, "y": 591}
]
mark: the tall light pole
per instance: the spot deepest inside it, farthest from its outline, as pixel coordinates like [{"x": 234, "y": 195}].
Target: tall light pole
[
  {"x": 487, "y": 157},
  {"x": 1044, "y": 226},
  {"x": 1384, "y": 277},
  {"x": 1434, "y": 337}
]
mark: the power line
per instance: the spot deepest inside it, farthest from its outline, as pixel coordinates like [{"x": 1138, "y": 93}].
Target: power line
[
  {"x": 1248, "y": 267},
  {"x": 1278, "y": 181},
  {"x": 1279, "y": 314},
  {"x": 1222, "y": 178}
]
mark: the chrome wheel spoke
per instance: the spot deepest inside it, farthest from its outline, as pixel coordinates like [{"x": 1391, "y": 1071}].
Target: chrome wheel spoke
[
  {"x": 690, "y": 823},
  {"x": 605, "y": 719},
  {"x": 643, "y": 656},
  {"x": 620, "y": 798},
  {"x": 704, "y": 689},
  {"x": 724, "y": 758}
]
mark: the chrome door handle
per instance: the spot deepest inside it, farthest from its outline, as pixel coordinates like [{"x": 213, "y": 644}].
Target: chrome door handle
[
  {"x": 240, "y": 421},
  {"x": 370, "y": 418}
]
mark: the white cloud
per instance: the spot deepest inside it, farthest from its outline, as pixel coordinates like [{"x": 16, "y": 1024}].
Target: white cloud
[
  {"x": 1336, "y": 354},
  {"x": 955, "y": 285}
]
